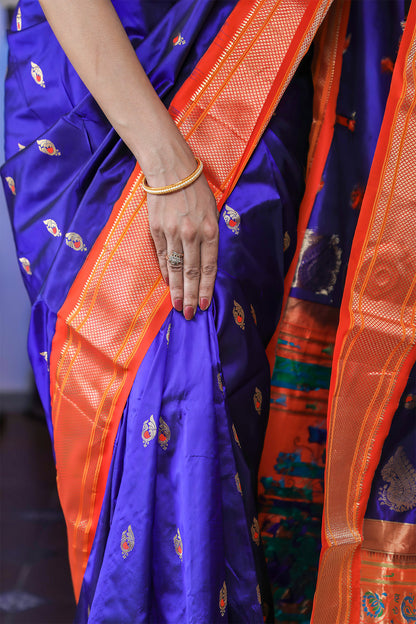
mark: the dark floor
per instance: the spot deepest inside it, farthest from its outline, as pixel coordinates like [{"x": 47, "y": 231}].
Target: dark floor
[{"x": 35, "y": 585}]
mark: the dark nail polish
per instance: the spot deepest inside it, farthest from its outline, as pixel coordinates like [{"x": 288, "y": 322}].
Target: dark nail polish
[
  {"x": 203, "y": 303},
  {"x": 178, "y": 305},
  {"x": 189, "y": 313}
]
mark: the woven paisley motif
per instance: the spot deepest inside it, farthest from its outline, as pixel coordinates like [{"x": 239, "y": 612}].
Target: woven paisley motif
[
  {"x": 319, "y": 263},
  {"x": 408, "y": 608},
  {"x": 399, "y": 494},
  {"x": 127, "y": 542},
  {"x": 373, "y": 604}
]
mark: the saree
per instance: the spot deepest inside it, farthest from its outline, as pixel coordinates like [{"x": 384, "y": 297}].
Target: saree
[{"x": 157, "y": 423}]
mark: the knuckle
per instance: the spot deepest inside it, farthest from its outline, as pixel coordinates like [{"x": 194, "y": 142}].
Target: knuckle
[
  {"x": 171, "y": 229},
  {"x": 210, "y": 230},
  {"x": 188, "y": 233},
  {"x": 209, "y": 270},
  {"x": 192, "y": 272},
  {"x": 161, "y": 254},
  {"x": 156, "y": 231}
]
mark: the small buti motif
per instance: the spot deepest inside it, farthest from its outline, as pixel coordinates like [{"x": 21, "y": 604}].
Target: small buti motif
[
  {"x": 20, "y": 146},
  {"x": 258, "y": 594},
  {"x": 238, "y": 483},
  {"x": 223, "y": 599},
  {"x": 233, "y": 429},
  {"x": 178, "y": 40},
  {"x": 52, "y": 227},
  {"x": 232, "y": 219},
  {"x": 258, "y": 399},
  {"x": 238, "y": 314},
  {"x": 286, "y": 241},
  {"x": 168, "y": 333},
  {"x": 44, "y": 354},
  {"x": 387, "y": 65},
  {"x": 399, "y": 494},
  {"x": 255, "y": 531},
  {"x": 177, "y": 540},
  {"x": 164, "y": 434},
  {"x": 148, "y": 431},
  {"x": 26, "y": 265},
  {"x": 19, "y": 19},
  {"x": 47, "y": 147},
  {"x": 356, "y": 197},
  {"x": 37, "y": 74},
  {"x": 253, "y": 314},
  {"x": 11, "y": 184},
  {"x": 127, "y": 542},
  {"x": 410, "y": 402},
  {"x": 74, "y": 241}
]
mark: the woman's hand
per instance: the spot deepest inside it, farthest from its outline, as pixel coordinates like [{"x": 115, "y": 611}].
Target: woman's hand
[{"x": 186, "y": 222}]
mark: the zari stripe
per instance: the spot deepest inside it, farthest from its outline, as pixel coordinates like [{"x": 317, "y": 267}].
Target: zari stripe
[
  {"x": 389, "y": 537},
  {"x": 376, "y": 342},
  {"x": 118, "y": 301}
]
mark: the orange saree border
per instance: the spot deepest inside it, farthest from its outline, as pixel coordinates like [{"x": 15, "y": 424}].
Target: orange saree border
[
  {"x": 375, "y": 347},
  {"x": 329, "y": 47},
  {"x": 118, "y": 301}
]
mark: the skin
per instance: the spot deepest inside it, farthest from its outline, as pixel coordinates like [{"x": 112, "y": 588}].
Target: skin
[{"x": 186, "y": 221}]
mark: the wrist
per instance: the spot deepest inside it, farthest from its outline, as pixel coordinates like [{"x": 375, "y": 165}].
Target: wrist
[{"x": 166, "y": 158}]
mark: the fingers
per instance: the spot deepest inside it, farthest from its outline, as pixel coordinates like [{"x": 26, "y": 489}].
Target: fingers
[
  {"x": 187, "y": 224},
  {"x": 200, "y": 268}
]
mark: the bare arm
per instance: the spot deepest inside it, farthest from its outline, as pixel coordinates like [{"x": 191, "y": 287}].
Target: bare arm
[{"x": 95, "y": 42}]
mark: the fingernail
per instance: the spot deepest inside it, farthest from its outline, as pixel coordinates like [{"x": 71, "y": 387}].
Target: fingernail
[
  {"x": 203, "y": 303},
  {"x": 189, "y": 313},
  {"x": 167, "y": 280},
  {"x": 178, "y": 305}
]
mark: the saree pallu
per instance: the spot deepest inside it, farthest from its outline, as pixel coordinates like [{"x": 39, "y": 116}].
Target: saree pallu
[
  {"x": 346, "y": 342},
  {"x": 158, "y": 424}
]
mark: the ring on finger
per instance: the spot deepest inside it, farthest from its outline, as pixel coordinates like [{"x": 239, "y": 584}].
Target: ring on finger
[{"x": 175, "y": 259}]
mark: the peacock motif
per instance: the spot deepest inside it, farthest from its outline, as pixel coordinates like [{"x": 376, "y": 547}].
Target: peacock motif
[{"x": 399, "y": 493}]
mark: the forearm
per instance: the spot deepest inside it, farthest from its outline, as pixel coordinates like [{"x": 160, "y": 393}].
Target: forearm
[{"x": 95, "y": 42}]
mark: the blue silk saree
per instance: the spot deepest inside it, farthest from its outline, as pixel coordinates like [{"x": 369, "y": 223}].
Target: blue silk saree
[
  {"x": 177, "y": 537},
  {"x": 158, "y": 475}
]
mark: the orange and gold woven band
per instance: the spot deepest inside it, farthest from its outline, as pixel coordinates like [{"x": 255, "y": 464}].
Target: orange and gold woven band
[
  {"x": 328, "y": 51},
  {"x": 388, "y": 584},
  {"x": 376, "y": 342},
  {"x": 221, "y": 110}
]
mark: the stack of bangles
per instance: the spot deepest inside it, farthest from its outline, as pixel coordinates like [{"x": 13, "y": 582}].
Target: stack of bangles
[{"x": 175, "y": 259}]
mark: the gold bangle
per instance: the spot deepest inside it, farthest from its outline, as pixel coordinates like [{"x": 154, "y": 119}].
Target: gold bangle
[{"x": 172, "y": 188}]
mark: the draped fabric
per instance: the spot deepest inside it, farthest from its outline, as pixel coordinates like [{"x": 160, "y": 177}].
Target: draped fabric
[
  {"x": 176, "y": 535},
  {"x": 293, "y": 489}
]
